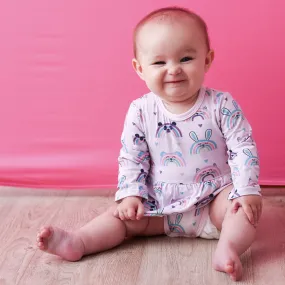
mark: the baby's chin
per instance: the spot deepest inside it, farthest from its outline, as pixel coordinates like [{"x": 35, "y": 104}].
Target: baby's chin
[
  {"x": 180, "y": 98},
  {"x": 176, "y": 95}
]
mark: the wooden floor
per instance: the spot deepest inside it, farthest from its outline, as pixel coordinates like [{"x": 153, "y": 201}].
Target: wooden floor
[{"x": 147, "y": 261}]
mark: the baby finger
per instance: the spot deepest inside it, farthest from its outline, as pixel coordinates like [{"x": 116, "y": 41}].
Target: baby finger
[
  {"x": 248, "y": 211},
  {"x": 131, "y": 214},
  {"x": 255, "y": 214},
  {"x": 121, "y": 215},
  {"x": 126, "y": 214}
]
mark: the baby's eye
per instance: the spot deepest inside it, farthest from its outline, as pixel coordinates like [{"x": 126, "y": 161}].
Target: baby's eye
[
  {"x": 186, "y": 58},
  {"x": 159, "y": 62}
]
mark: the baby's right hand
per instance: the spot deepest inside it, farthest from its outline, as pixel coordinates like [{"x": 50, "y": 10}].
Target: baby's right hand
[{"x": 131, "y": 208}]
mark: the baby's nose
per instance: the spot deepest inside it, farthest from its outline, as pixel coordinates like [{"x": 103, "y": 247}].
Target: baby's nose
[{"x": 174, "y": 69}]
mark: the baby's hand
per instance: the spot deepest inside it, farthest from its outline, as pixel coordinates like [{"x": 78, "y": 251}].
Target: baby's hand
[
  {"x": 131, "y": 208},
  {"x": 252, "y": 206}
]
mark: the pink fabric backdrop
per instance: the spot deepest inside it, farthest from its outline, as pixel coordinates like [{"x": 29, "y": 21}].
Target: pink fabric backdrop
[{"x": 66, "y": 82}]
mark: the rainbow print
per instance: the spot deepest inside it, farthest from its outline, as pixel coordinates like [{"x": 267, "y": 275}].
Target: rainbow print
[
  {"x": 175, "y": 227},
  {"x": 143, "y": 192},
  {"x": 202, "y": 145},
  {"x": 143, "y": 156},
  {"x": 157, "y": 188},
  {"x": 218, "y": 97},
  {"x": 172, "y": 158},
  {"x": 202, "y": 113},
  {"x": 121, "y": 181},
  {"x": 163, "y": 129},
  {"x": 252, "y": 160},
  {"x": 234, "y": 116},
  {"x": 138, "y": 140},
  {"x": 211, "y": 184},
  {"x": 142, "y": 177},
  {"x": 207, "y": 173}
]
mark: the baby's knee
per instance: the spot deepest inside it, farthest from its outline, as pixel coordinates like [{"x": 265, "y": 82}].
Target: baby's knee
[
  {"x": 136, "y": 228},
  {"x": 238, "y": 214}
]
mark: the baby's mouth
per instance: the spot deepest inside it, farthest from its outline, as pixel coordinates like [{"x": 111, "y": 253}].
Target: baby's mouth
[{"x": 175, "y": 81}]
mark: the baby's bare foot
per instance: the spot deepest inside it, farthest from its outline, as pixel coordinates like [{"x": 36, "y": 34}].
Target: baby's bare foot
[
  {"x": 59, "y": 242},
  {"x": 227, "y": 260}
]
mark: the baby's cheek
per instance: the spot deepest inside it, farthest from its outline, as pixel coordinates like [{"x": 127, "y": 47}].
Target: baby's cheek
[
  {"x": 150, "y": 85},
  {"x": 155, "y": 85}
]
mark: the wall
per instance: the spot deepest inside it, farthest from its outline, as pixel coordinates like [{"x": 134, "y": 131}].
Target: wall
[{"x": 66, "y": 82}]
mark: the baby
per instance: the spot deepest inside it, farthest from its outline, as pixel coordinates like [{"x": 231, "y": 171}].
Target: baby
[{"x": 188, "y": 164}]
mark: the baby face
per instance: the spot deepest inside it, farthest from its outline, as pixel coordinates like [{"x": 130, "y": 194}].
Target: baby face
[{"x": 172, "y": 58}]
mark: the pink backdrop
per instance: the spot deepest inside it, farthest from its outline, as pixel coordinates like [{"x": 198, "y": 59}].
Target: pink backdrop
[{"x": 66, "y": 82}]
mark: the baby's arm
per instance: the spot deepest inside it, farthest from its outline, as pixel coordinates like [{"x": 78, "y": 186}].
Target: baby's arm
[
  {"x": 133, "y": 166},
  {"x": 243, "y": 158}
]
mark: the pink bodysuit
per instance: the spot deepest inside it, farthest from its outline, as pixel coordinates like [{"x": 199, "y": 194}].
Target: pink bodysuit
[{"x": 179, "y": 163}]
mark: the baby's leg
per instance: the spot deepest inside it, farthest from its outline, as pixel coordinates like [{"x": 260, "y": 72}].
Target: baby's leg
[
  {"x": 101, "y": 233},
  {"x": 237, "y": 234}
]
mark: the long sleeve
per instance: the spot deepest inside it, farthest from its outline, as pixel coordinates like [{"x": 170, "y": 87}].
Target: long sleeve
[
  {"x": 134, "y": 158},
  {"x": 243, "y": 157}
]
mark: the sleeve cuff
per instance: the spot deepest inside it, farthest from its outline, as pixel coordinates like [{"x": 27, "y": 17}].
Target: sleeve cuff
[{"x": 244, "y": 191}]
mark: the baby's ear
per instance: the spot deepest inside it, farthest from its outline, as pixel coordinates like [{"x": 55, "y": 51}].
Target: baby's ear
[
  {"x": 138, "y": 68},
  {"x": 209, "y": 59}
]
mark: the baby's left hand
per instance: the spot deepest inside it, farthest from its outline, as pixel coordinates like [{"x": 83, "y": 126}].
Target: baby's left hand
[{"x": 252, "y": 206}]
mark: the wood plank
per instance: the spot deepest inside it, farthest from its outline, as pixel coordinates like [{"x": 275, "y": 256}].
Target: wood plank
[
  {"x": 156, "y": 260},
  {"x": 18, "y": 228},
  {"x": 75, "y": 212},
  {"x": 268, "y": 251}
]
